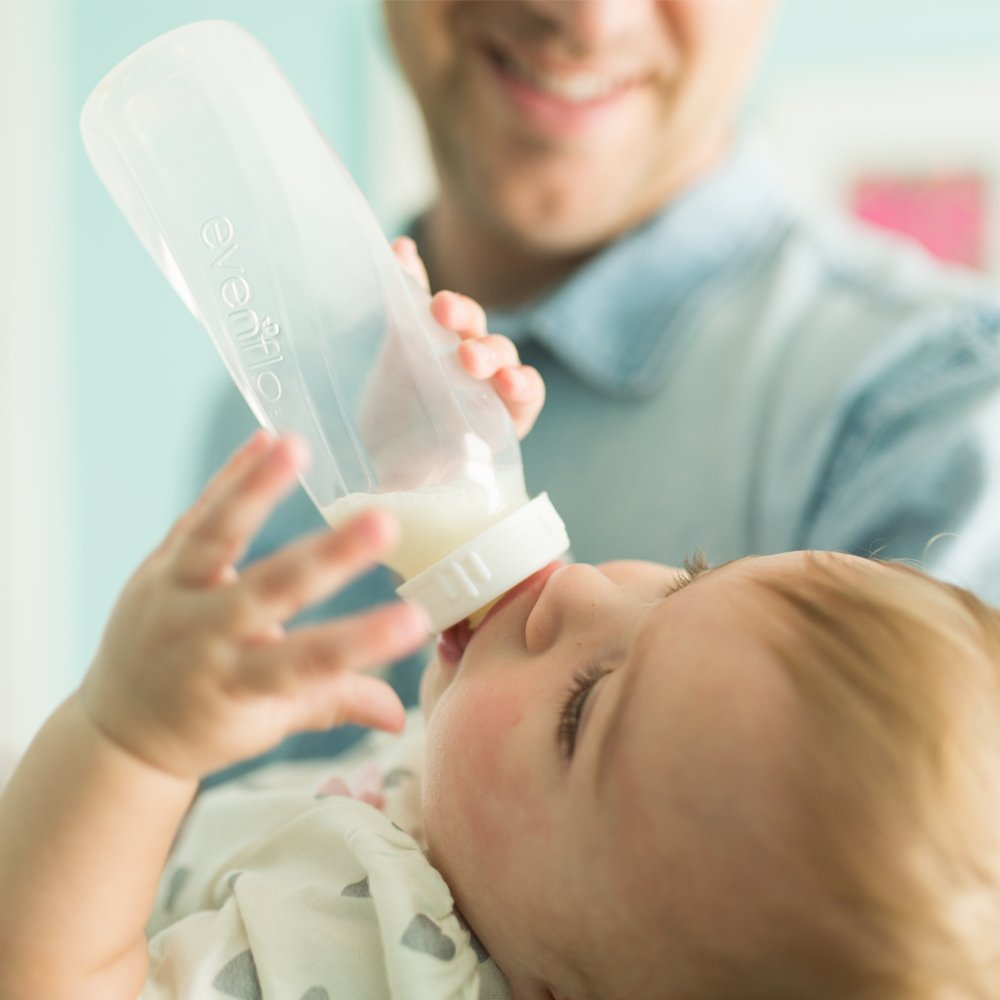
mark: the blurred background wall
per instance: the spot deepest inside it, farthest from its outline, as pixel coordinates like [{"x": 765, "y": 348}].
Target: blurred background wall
[{"x": 107, "y": 383}]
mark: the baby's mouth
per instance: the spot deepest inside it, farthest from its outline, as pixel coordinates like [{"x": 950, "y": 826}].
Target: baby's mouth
[{"x": 453, "y": 642}]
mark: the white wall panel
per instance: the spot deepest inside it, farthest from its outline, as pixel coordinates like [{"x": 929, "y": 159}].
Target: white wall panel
[{"x": 35, "y": 498}]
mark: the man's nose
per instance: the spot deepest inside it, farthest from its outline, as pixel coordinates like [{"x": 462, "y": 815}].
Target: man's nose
[
  {"x": 576, "y": 600},
  {"x": 589, "y": 23}
]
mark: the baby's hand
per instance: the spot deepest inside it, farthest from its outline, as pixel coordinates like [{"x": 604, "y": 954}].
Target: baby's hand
[
  {"x": 483, "y": 355},
  {"x": 195, "y": 671}
]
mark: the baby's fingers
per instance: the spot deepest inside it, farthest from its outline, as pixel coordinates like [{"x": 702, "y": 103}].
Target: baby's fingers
[
  {"x": 316, "y": 666},
  {"x": 240, "y": 460},
  {"x": 234, "y": 465},
  {"x": 278, "y": 587},
  {"x": 219, "y": 528},
  {"x": 351, "y": 699}
]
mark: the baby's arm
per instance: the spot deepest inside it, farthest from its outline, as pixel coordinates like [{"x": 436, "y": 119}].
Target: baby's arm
[{"x": 194, "y": 672}]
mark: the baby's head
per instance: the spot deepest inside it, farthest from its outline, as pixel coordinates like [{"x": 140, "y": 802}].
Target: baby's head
[{"x": 779, "y": 779}]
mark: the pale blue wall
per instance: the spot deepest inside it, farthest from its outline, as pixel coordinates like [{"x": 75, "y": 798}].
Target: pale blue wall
[
  {"x": 146, "y": 373},
  {"x": 811, "y": 35}
]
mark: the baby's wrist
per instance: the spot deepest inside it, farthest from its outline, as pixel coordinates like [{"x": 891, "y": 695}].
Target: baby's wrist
[{"x": 107, "y": 744}]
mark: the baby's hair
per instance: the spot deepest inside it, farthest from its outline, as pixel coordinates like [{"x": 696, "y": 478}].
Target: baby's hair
[{"x": 895, "y": 779}]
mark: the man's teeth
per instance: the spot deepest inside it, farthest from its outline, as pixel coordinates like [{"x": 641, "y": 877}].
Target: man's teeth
[{"x": 579, "y": 88}]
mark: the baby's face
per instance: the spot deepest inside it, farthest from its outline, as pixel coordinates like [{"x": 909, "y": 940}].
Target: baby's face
[{"x": 605, "y": 732}]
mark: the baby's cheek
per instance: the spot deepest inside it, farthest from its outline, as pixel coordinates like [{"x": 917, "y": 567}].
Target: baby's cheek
[
  {"x": 433, "y": 683},
  {"x": 482, "y": 770}
]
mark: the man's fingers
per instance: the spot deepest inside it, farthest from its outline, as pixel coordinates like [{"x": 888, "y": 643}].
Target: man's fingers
[
  {"x": 278, "y": 587},
  {"x": 219, "y": 530},
  {"x": 520, "y": 387},
  {"x": 483, "y": 357},
  {"x": 409, "y": 258},
  {"x": 492, "y": 356},
  {"x": 522, "y": 390},
  {"x": 459, "y": 313}
]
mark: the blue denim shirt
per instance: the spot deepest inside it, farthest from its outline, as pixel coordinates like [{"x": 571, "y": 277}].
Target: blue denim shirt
[{"x": 743, "y": 376}]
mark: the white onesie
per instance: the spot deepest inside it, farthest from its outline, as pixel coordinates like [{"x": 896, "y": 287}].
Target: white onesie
[{"x": 299, "y": 884}]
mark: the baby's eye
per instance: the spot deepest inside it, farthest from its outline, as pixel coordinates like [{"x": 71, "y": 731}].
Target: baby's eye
[
  {"x": 572, "y": 710},
  {"x": 693, "y": 566}
]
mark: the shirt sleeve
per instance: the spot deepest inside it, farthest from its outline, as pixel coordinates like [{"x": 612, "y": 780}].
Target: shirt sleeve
[{"x": 913, "y": 469}]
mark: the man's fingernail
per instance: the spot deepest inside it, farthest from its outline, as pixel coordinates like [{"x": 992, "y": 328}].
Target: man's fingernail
[
  {"x": 477, "y": 350},
  {"x": 516, "y": 380}
]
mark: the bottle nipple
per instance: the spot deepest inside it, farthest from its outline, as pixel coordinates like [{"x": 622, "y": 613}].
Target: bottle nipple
[
  {"x": 467, "y": 582},
  {"x": 476, "y": 618}
]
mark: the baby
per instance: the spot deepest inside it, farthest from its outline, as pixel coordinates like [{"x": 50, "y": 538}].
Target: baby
[{"x": 777, "y": 778}]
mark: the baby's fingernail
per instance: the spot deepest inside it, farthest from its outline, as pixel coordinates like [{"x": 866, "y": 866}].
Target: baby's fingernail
[
  {"x": 406, "y": 246},
  {"x": 259, "y": 440},
  {"x": 378, "y": 527},
  {"x": 412, "y": 624},
  {"x": 292, "y": 449}
]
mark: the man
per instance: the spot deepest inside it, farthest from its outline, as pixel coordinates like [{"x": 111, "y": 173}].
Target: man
[
  {"x": 557, "y": 127},
  {"x": 723, "y": 371}
]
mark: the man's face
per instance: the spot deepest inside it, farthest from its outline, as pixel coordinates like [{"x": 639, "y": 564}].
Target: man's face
[
  {"x": 595, "y": 758},
  {"x": 556, "y": 124}
]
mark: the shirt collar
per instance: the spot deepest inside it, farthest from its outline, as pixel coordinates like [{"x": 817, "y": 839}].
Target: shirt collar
[{"x": 618, "y": 321}]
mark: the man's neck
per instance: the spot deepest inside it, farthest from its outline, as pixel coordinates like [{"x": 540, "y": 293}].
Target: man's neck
[
  {"x": 467, "y": 254},
  {"x": 497, "y": 271}
]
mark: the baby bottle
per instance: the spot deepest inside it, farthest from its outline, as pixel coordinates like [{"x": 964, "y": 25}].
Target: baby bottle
[{"x": 230, "y": 186}]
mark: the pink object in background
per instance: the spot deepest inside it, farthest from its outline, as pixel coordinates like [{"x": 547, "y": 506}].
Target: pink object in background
[{"x": 946, "y": 213}]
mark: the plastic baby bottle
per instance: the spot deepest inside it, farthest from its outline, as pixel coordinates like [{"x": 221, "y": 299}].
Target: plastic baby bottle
[{"x": 230, "y": 186}]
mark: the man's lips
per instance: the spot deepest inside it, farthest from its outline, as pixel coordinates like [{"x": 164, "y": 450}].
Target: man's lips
[
  {"x": 573, "y": 83},
  {"x": 455, "y": 640},
  {"x": 569, "y": 97}
]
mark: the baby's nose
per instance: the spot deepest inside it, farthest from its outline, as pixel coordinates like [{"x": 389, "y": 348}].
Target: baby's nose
[{"x": 573, "y": 602}]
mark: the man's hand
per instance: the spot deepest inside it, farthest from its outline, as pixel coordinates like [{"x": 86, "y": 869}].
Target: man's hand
[{"x": 483, "y": 355}]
